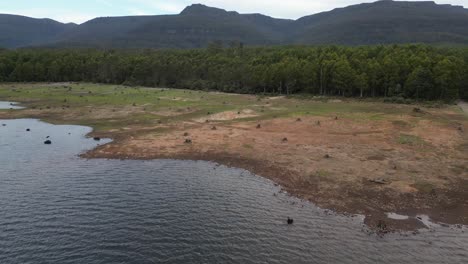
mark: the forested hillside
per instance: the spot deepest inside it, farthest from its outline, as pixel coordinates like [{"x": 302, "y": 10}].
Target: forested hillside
[
  {"x": 402, "y": 72},
  {"x": 385, "y": 22},
  {"x": 381, "y": 22}
]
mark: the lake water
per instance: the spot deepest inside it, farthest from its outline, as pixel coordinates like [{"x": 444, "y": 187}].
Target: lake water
[
  {"x": 9, "y": 105},
  {"x": 58, "y": 208}
]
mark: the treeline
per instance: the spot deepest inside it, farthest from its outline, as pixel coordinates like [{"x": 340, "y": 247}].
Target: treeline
[{"x": 416, "y": 72}]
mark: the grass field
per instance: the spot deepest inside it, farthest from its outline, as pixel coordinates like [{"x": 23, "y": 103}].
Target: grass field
[{"x": 107, "y": 107}]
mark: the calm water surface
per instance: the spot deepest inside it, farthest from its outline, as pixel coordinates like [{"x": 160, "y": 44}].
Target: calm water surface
[{"x": 58, "y": 208}]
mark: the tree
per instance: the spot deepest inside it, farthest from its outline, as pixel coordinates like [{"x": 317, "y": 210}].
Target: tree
[
  {"x": 447, "y": 77},
  {"x": 344, "y": 77},
  {"x": 419, "y": 84}
]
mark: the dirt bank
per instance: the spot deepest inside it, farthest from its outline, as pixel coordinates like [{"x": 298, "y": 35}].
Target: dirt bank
[{"x": 368, "y": 168}]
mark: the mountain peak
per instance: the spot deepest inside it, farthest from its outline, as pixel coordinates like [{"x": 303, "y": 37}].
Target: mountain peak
[{"x": 200, "y": 9}]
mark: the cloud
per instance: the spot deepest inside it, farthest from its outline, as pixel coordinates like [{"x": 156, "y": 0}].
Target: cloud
[
  {"x": 169, "y": 7},
  {"x": 88, "y": 9},
  {"x": 295, "y": 8},
  {"x": 62, "y": 15}
]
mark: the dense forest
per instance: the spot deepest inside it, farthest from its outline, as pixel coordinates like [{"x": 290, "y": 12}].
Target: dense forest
[{"x": 400, "y": 72}]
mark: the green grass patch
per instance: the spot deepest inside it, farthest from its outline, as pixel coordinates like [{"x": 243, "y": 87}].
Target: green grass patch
[{"x": 411, "y": 140}]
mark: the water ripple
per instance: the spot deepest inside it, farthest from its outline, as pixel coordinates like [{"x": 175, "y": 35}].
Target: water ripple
[{"x": 57, "y": 208}]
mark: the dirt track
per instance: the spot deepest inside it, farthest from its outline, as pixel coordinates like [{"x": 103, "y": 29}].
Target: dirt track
[{"x": 464, "y": 106}]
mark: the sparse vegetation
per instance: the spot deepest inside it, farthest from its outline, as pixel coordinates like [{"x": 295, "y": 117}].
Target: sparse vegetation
[{"x": 411, "y": 140}]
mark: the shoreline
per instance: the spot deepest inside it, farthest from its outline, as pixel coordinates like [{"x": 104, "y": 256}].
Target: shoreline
[
  {"x": 352, "y": 157},
  {"x": 377, "y": 220}
]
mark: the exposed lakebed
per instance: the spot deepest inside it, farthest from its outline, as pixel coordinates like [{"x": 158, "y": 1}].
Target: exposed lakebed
[{"x": 58, "y": 208}]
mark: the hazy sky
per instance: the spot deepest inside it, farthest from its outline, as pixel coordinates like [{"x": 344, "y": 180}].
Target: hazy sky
[{"x": 79, "y": 11}]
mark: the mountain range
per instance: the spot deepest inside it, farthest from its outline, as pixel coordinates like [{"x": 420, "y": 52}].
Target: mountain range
[{"x": 381, "y": 22}]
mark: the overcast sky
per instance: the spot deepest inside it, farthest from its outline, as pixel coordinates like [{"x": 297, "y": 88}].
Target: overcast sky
[{"x": 79, "y": 11}]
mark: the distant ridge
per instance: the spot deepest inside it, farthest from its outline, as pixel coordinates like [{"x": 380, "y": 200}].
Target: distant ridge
[
  {"x": 381, "y": 22},
  {"x": 18, "y": 31}
]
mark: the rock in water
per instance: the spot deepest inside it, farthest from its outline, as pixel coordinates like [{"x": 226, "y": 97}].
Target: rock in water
[
  {"x": 47, "y": 142},
  {"x": 290, "y": 221},
  {"x": 97, "y": 138}
]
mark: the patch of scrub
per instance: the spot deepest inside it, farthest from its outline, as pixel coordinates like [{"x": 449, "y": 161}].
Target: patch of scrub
[{"x": 406, "y": 139}]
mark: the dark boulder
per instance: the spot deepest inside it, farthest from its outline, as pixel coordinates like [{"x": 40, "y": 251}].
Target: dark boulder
[
  {"x": 27, "y": 129},
  {"x": 290, "y": 221},
  {"x": 97, "y": 138},
  {"x": 47, "y": 142}
]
